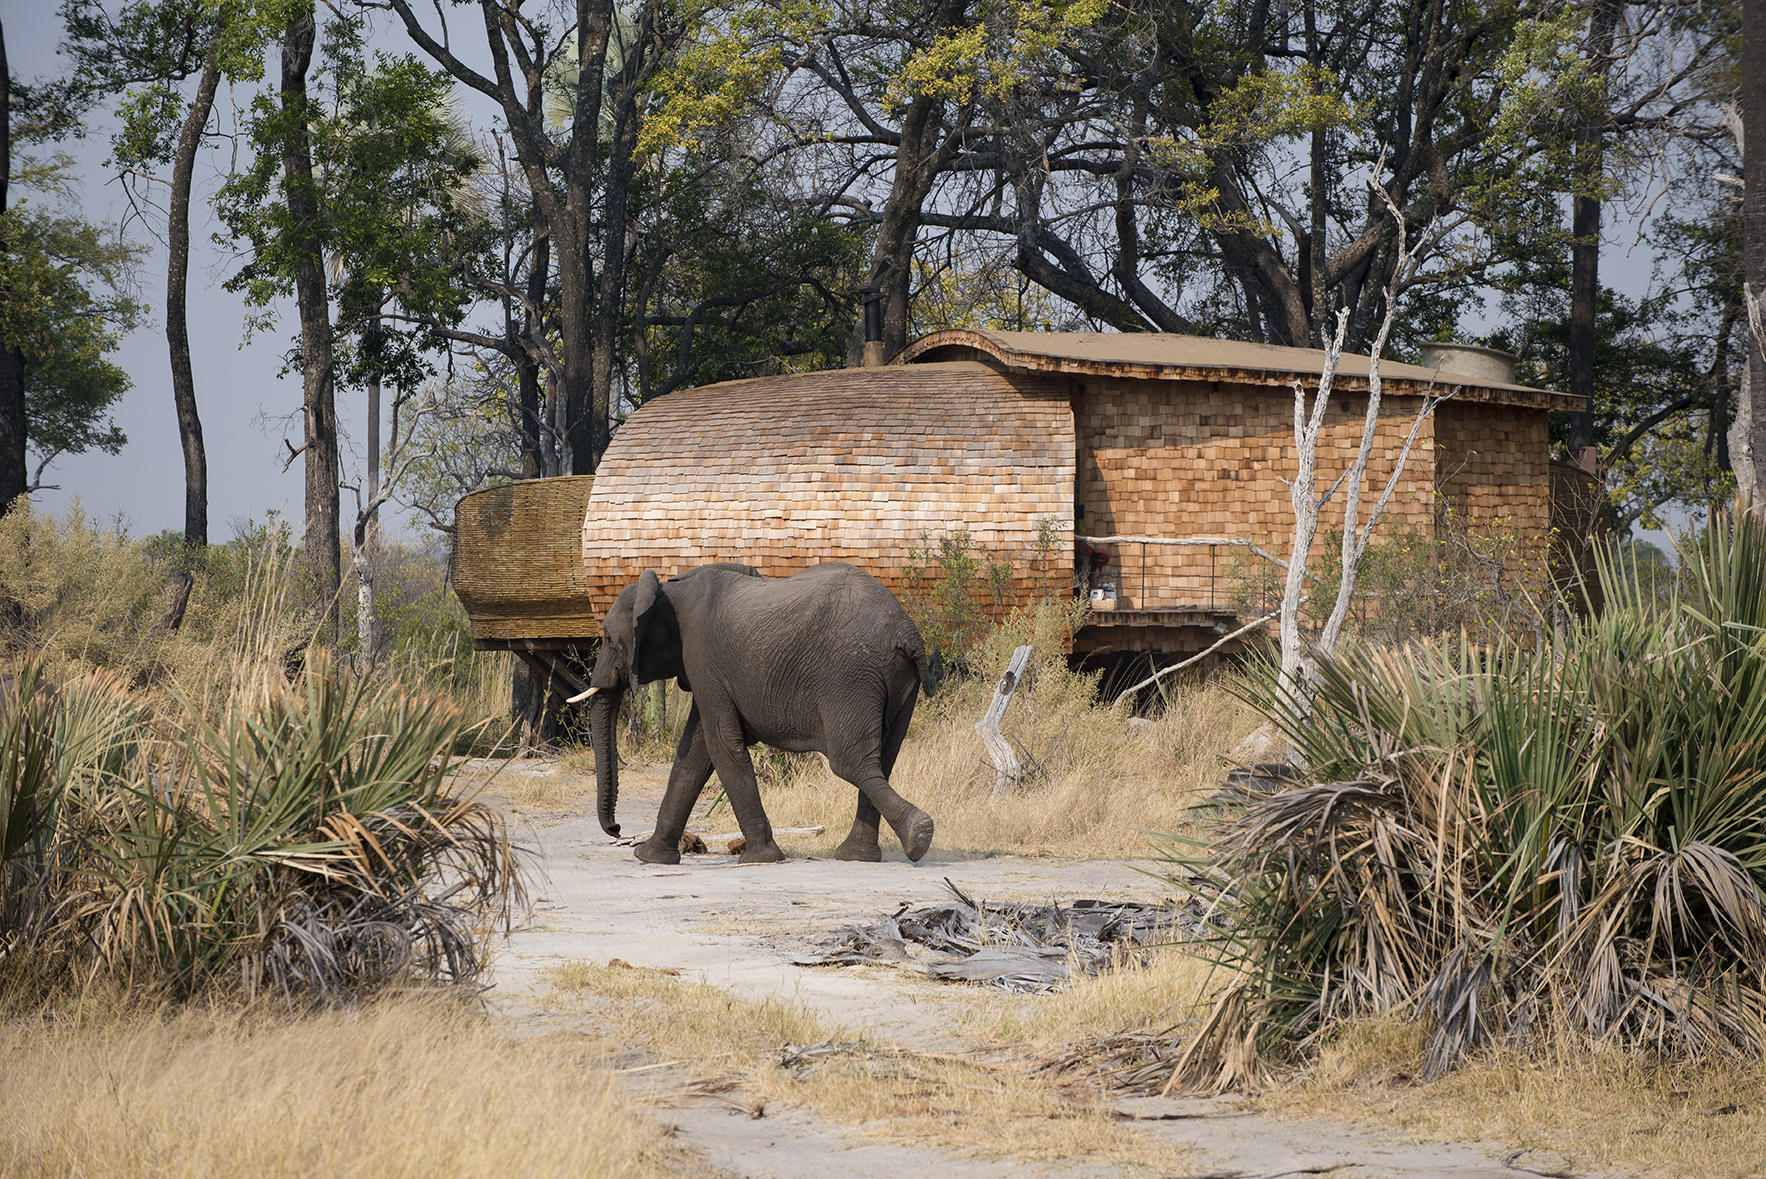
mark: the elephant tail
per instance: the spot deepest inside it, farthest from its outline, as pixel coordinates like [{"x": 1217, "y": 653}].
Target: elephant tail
[{"x": 931, "y": 669}]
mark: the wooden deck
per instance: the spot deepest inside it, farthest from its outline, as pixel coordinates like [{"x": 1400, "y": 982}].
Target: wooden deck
[{"x": 1173, "y": 630}]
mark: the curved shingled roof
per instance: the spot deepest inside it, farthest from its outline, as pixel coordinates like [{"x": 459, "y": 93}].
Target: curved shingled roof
[
  {"x": 1165, "y": 356},
  {"x": 850, "y": 464}
]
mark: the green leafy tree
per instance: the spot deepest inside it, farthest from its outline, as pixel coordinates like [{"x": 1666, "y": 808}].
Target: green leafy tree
[
  {"x": 571, "y": 84},
  {"x": 733, "y": 278},
  {"x": 885, "y": 105},
  {"x": 65, "y": 297},
  {"x": 354, "y": 202},
  {"x": 1661, "y": 410},
  {"x": 142, "y": 57}
]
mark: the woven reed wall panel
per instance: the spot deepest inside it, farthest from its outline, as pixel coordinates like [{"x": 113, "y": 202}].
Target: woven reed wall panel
[
  {"x": 850, "y": 465},
  {"x": 518, "y": 564},
  {"x": 1200, "y": 458}
]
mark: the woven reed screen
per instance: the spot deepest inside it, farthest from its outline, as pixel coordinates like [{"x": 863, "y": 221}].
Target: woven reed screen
[{"x": 518, "y": 560}]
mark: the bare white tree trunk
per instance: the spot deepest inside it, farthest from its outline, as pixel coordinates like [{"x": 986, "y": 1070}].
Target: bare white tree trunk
[
  {"x": 1356, "y": 534},
  {"x": 366, "y": 534},
  {"x": 1308, "y": 424},
  {"x": 1747, "y": 434},
  {"x": 362, "y": 565},
  {"x": 382, "y": 481},
  {"x": 1297, "y": 667}
]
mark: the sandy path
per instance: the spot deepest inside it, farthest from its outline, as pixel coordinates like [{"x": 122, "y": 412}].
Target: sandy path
[{"x": 730, "y": 926}]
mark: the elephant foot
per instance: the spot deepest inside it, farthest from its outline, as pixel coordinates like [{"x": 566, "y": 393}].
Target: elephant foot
[
  {"x": 655, "y": 851},
  {"x": 766, "y": 853},
  {"x": 915, "y": 832},
  {"x": 863, "y": 851}
]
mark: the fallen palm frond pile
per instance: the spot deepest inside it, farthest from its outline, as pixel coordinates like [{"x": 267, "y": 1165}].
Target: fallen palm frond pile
[
  {"x": 1135, "y": 1064},
  {"x": 1514, "y": 844},
  {"x": 1013, "y": 946},
  {"x": 301, "y": 844}
]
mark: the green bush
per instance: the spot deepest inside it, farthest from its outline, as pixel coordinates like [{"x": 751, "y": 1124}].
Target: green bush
[
  {"x": 1514, "y": 841},
  {"x": 957, "y": 593}
]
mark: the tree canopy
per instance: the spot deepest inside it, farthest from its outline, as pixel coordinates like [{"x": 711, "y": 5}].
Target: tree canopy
[{"x": 555, "y": 212}]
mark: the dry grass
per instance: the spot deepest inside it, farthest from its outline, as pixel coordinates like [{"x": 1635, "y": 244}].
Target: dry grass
[
  {"x": 1162, "y": 992},
  {"x": 1097, "y": 784},
  {"x": 1101, "y": 788},
  {"x": 88, "y": 596},
  {"x": 1599, "y": 1108},
  {"x": 1605, "y": 1109},
  {"x": 404, "y": 1087},
  {"x": 955, "y": 1103},
  {"x": 537, "y": 784}
]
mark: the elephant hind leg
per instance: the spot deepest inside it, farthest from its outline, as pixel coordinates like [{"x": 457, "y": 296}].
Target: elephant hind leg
[
  {"x": 912, "y": 825},
  {"x": 861, "y": 842}
]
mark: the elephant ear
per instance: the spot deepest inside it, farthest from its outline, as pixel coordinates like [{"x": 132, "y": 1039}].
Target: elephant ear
[{"x": 656, "y": 640}]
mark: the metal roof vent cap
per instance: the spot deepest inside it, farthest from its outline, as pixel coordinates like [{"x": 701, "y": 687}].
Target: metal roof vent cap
[{"x": 1473, "y": 361}]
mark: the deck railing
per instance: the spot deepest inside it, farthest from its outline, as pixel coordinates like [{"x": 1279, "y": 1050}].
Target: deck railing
[{"x": 1222, "y": 588}]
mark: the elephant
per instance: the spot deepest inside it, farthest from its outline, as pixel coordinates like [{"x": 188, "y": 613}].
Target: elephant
[{"x": 825, "y": 660}]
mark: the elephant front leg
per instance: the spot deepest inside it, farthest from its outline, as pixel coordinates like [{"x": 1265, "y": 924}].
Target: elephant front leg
[
  {"x": 686, "y": 781},
  {"x": 735, "y": 769}
]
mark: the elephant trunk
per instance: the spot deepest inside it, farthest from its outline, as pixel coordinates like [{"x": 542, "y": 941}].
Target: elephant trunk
[{"x": 603, "y": 710}]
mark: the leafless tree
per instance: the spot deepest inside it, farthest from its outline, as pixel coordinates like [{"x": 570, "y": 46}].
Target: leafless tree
[{"x": 1297, "y": 668}]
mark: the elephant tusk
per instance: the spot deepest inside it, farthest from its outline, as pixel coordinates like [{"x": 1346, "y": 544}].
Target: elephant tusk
[{"x": 581, "y": 696}]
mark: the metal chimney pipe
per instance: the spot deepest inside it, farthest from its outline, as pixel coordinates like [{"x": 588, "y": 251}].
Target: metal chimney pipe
[{"x": 873, "y": 354}]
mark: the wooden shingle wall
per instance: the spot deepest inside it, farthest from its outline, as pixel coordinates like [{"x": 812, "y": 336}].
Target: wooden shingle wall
[
  {"x": 1194, "y": 458},
  {"x": 1493, "y": 465},
  {"x": 1494, "y": 477},
  {"x": 851, "y": 465}
]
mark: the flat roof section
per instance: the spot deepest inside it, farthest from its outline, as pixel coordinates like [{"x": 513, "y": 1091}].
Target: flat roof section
[{"x": 1163, "y": 356}]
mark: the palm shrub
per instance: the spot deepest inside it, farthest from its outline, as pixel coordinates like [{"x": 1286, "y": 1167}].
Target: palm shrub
[
  {"x": 1513, "y": 841},
  {"x": 27, "y": 779},
  {"x": 300, "y": 844}
]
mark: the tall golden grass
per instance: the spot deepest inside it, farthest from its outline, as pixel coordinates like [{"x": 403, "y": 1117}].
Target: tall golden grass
[
  {"x": 415, "y": 1086},
  {"x": 83, "y": 596}
]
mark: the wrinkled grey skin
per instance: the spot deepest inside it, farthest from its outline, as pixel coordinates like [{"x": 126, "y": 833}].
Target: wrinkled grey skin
[{"x": 825, "y": 661}]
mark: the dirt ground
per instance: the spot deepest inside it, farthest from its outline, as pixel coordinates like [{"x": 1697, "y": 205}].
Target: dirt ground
[{"x": 731, "y": 927}]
